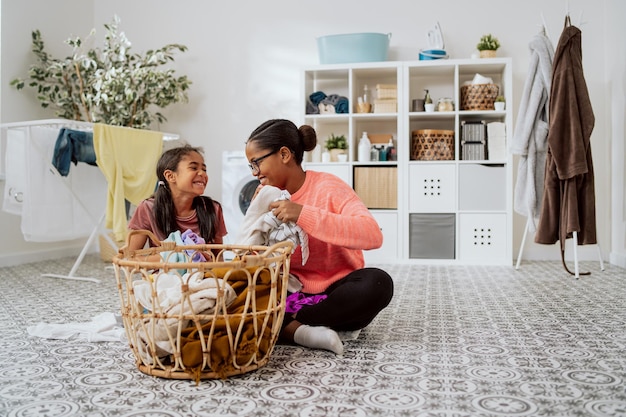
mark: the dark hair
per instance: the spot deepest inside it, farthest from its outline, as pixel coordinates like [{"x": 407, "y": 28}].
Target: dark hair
[
  {"x": 163, "y": 209},
  {"x": 276, "y": 133}
]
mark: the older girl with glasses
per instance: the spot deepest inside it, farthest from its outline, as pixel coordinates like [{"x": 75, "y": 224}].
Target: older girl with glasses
[{"x": 339, "y": 227}]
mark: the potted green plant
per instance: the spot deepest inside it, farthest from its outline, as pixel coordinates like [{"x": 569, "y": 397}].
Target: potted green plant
[
  {"x": 488, "y": 45},
  {"x": 499, "y": 103},
  {"x": 107, "y": 85},
  {"x": 336, "y": 145}
]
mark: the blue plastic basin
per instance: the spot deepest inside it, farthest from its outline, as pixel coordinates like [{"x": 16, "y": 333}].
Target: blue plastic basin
[
  {"x": 353, "y": 47},
  {"x": 428, "y": 54}
]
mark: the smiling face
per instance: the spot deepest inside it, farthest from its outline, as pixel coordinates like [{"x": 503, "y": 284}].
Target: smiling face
[
  {"x": 270, "y": 168},
  {"x": 190, "y": 176}
]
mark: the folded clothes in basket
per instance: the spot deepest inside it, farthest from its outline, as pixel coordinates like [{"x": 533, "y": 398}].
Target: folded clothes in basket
[{"x": 245, "y": 330}]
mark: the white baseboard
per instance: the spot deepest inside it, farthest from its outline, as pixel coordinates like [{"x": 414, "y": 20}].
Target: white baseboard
[
  {"x": 537, "y": 252},
  {"x": 19, "y": 258},
  {"x": 618, "y": 259}
]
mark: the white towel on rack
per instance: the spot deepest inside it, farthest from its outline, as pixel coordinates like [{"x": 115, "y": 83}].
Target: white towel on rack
[
  {"x": 15, "y": 175},
  {"x": 58, "y": 208}
]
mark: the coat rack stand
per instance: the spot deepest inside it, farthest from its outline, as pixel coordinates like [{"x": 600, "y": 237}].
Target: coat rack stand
[{"x": 575, "y": 241}]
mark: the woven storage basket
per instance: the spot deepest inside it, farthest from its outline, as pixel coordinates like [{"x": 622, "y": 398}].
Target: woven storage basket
[
  {"x": 478, "y": 96},
  {"x": 432, "y": 145},
  {"x": 202, "y": 320}
]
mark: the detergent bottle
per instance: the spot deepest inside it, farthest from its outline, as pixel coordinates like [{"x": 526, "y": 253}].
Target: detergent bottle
[{"x": 364, "y": 148}]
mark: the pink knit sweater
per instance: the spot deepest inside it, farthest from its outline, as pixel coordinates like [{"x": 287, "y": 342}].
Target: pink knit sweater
[{"x": 339, "y": 227}]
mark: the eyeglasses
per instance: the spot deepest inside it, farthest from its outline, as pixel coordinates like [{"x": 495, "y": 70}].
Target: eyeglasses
[{"x": 254, "y": 164}]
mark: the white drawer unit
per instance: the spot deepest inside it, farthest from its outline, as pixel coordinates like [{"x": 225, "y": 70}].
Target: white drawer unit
[
  {"x": 433, "y": 207},
  {"x": 432, "y": 188},
  {"x": 482, "y": 187},
  {"x": 388, "y": 252},
  {"x": 484, "y": 237}
]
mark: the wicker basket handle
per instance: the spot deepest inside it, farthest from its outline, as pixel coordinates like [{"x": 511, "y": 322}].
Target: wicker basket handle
[
  {"x": 125, "y": 251},
  {"x": 284, "y": 247}
]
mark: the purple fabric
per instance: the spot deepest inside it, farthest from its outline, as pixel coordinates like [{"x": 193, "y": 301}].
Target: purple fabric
[
  {"x": 190, "y": 238},
  {"x": 295, "y": 301}
]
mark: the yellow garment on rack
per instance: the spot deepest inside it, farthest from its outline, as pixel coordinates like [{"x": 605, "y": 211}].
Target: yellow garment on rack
[{"x": 127, "y": 157}]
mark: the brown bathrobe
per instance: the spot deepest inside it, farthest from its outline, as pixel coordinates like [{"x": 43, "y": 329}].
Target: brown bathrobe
[{"x": 569, "y": 197}]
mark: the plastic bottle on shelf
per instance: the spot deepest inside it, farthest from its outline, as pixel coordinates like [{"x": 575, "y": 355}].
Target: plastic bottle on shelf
[
  {"x": 391, "y": 151},
  {"x": 374, "y": 153},
  {"x": 364, "y": 105},
  {"x": 364, "y": 148}
]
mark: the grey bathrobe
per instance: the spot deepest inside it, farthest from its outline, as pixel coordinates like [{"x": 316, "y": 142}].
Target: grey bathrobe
[
  {"x": 569, "y": 196},
  {"x": 530, "y": 138}
]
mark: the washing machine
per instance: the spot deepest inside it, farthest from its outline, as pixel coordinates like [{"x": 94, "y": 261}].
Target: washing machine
[{"x": 238, "y": 187}]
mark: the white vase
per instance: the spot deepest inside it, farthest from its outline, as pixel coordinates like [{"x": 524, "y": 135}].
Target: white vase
[
  {"x": 325, "y": 156},
  {"x": 429, "y": 107},
  {"x": 499, "y": 105}
]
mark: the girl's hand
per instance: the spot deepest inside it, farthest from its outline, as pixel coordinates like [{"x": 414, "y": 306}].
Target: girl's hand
[{"x": 286, "y": 210}]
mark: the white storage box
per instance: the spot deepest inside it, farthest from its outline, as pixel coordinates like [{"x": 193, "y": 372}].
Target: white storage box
[
  {"x": 431, "y": 236},
  {"x": 432, "y": 188},
  {"x": 483, "y": 237},
  {"x": 482, "y": 187}
]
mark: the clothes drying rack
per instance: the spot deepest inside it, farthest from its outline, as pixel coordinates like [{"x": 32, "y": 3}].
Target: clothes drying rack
[
  {"x": 575, "y": 241},
  {"x": 98, "y": 223}
]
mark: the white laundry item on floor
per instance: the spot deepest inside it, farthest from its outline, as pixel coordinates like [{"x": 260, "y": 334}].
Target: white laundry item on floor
[{"x": 102, "y": 328}]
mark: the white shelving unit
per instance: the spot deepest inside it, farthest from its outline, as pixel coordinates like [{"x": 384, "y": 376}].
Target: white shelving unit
[{"x": 436, "y": 211}]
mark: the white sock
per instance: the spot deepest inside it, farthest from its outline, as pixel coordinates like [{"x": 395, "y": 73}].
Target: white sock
[{"x": 318, "y": 337}]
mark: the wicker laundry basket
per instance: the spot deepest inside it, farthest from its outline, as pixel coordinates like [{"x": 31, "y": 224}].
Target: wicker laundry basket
[{"x": 202, "y": 320}]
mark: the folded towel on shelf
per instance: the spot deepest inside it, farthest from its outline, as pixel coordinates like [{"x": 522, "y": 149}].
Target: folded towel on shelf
[
  {"x": 496, "y": 129},
  {"x": 317, "y": 97},
  {"x": 340, "y": 103},
  {"x": 496, "y": 141}
]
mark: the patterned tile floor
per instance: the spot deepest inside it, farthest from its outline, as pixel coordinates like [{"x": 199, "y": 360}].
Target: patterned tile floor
[{"x": 456, "y": 341}]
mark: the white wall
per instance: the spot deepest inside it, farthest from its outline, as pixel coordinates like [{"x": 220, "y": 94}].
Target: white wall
[
  {"x": 616, "y": 91},
  {"x": 245, "y": 60},
  {"x": 57, "y": 21}
]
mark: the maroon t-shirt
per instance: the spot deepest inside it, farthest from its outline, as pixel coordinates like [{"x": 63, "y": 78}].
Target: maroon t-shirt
[{"x": 144, "y": 220}]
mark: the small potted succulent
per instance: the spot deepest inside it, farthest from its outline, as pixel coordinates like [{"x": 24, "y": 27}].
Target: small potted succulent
[
  {"x": 488, "y": 46},
  {"x": 499, "y": 103},
  {"x": 336, "y": 146}
]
